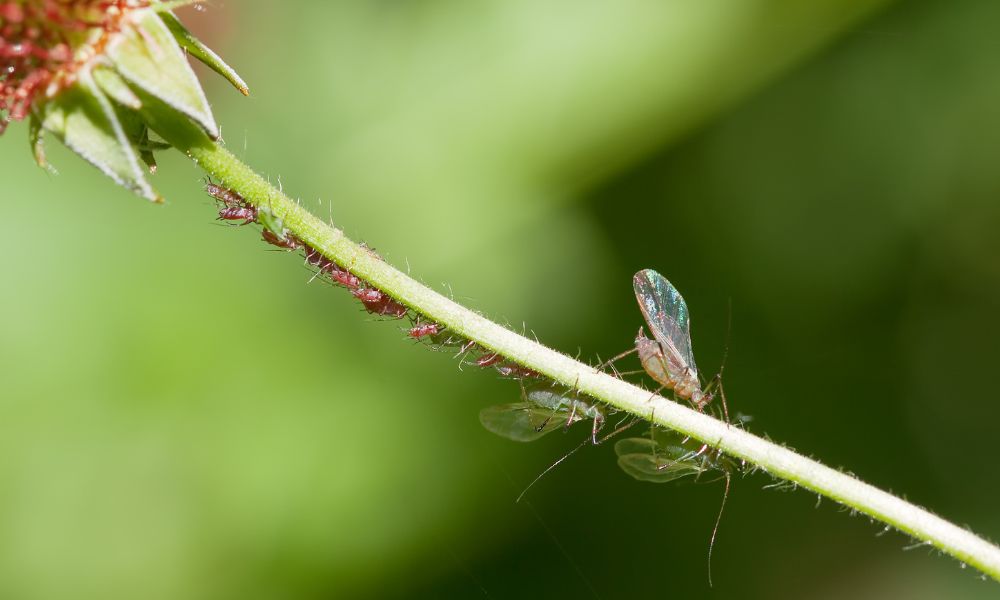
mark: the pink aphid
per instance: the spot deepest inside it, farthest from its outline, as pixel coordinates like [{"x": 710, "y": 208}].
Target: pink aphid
[
  {"x": 369, "y": 295},
  {"x": 488, "y": 360},
  {"x": 345, "y": 278},
  {"x": 314, "y": 258},
  {"x": 247, "y": 214},
  {"x": 288, "y": 241},
  {"x": 378, "y": 303},
  {"x": 515, "y": 371},
  {"x": 424, "y": 329},
  {"x": 234, "y": 207}
]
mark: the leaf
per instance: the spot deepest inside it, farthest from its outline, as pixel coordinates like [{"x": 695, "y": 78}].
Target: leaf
[
  {"x": 195, "y": 48},
  {"x": 85, "y": 120},
  {"x": 147, "y": 55}
]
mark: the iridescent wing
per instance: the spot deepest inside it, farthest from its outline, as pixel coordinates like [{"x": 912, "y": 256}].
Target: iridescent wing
[
  {"x": 668, "y": 319},
  {"x": 645, "y": 460},
  {"x": 522, "y": 421}
]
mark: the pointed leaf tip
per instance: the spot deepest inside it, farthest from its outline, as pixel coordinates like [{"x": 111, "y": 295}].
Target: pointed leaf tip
[{"x": 197, "y": 49}]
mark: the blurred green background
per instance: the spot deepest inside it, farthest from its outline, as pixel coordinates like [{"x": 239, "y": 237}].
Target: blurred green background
[{"x": 183, "y": 416}]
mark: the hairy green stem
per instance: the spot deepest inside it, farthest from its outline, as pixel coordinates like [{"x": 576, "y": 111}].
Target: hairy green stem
[{"x": 774, "y": 459}]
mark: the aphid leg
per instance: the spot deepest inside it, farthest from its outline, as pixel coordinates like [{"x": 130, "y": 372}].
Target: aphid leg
[
  {"x": 573, "y": 393},
  {"x": 611, "y": 361},
  {"x": 463, "y": 352},
  {"x": 656, "y": 393},
  {"x": 619, "y": 429},
  {"x": 596, "y": 426}
]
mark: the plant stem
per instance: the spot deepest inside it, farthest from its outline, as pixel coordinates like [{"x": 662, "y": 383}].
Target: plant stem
[{"x": 776, "y": 460}]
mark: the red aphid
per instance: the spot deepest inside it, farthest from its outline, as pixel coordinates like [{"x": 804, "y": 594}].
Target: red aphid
[
  {"x": 314, "y": 258},
  {"x": 378, "y": 303},
  {"x": 234, "y": 206},
  {"x": 424, "y": 329},
  {"x": 289, "y": 241},
  {"x": 345, "y": 278},
  {"x": 488, "y": 360},
  {"x": 515, "y": 371},
  {"x": 369, "y": 295},
  {"x": 247, "y": 214}
]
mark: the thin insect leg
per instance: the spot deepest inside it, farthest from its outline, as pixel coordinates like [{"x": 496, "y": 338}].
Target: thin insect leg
[
  {"x": 656, "y": 393},
  {"x": 725, "y": 405},
  {"x": 463, "y": 352},
  {"x": 611, "y": 361},
  {"x": 618, "y": 430},
  {"x": 715, "y": 529},
  {"x": 573, "y": 391},
  {"x": 572, "y": 414}
]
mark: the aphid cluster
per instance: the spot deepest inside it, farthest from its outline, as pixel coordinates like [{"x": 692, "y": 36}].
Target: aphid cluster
[{"x": 233, "y": 207}]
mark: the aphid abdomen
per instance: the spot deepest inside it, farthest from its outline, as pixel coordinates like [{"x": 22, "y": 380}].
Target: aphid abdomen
[
  {"x": 423, "y": 330},
  {"x": 653, "y": 361},
  {"x": 224, "y": 195}
]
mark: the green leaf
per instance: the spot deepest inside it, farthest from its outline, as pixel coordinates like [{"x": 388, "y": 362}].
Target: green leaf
[
  {"x": 147, "y": 55},
  {"x": 202, "y": 52},
  {"x": 85, "y": 120}
]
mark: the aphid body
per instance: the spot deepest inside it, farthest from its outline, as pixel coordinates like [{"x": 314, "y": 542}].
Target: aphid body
[
  {"x": 287, "y": 241},
  {"x": 668, "y": 357},
  {"x": 234, "y": 207},
  {"x": 423, "y": 330},
  {"x": 344, "y": 278},
  {"x": 378, "y": 303},
  {"x": 544, "y": 410}
]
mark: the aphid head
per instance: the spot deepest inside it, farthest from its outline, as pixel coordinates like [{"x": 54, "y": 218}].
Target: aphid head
[{"x": 700, "y": 399}]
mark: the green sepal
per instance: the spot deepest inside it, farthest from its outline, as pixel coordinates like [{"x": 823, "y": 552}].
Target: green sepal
[
  {"x": 115, "y": 87},
  {"x": 36, "y": 137},
  {"x": 86, "y": 121},
  {"x": 138, "y": 134},
  {"x": 202, "y": 52},
  {"x": 147, "y": 55}
]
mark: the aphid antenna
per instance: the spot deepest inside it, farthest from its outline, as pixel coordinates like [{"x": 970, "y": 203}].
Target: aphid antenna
[
  {"x": 717, "y": 380},
  {"x": 552, "y": 466},
  {"x": 571, "y": 452},
  {"x": 718, "y": 520}
]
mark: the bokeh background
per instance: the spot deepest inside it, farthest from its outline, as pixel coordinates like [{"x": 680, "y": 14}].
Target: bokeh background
[{"x": 183, "y": 416}]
